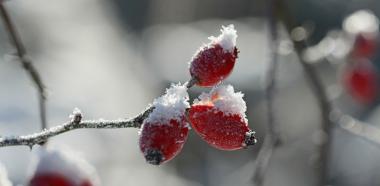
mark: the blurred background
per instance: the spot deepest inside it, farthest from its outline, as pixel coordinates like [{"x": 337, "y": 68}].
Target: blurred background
[{"x": 112, "y": 58}]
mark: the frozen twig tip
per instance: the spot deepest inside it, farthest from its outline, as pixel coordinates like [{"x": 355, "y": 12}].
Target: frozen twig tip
[{"x": 76, "y": 116}]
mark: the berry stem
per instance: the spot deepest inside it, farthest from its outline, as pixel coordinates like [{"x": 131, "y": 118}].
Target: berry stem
[{"x": 191, "y": 82}]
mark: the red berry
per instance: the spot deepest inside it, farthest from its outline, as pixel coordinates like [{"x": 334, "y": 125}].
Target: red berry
[
  {"x": 54, "y": 179},
  {"x": 361, "y": 81},
  {"x": 165, "y": 130},
  {"x": 218, "y": 127},
  {"x": 215, "y": 61},
  {"x": 50, "y": 179},
  {"x": 58, "y": 167},
  {"x": 86, "y": 183},
  {"x": 364, "y": 46},
  {"x": 161, "y": 142}
]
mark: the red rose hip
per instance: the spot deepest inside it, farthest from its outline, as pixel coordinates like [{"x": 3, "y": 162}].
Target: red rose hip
[
  {"x": 49, "y": 180},
  {"x": 57, "y": 167},
  {"x": 364, "y": 46},
  {"x": 361, "y": 81},
  {"x": 165, "y": 131},
  {"x": 215, "y": 61},
  {"x": 363, "y": 27},
  {"x": 219, "y": 119},
  {"x": 161, "y": 142}
]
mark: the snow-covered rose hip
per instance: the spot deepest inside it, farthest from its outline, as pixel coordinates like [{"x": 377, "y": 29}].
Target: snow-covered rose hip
[
  {"x": 213, "y": 62},
  {"x": 219, "y": 118},
  {"x": 57, "y": 167},
  {"x": 165, "y": 130},
  {"x": 363, "y": 27}
]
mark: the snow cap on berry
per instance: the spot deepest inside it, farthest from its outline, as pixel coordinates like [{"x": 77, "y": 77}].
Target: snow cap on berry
[
  {"x": 4, "y": 181},
  {"x": 362, "y": 21},
  {"x": 67, "y": 163},
  {"x": 172, "y": 105},
  {"x": 227, "y": 39},
  {"x": 225, "y": 99}
]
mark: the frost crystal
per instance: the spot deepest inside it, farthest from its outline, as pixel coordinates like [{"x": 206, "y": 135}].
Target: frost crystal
[
  {"x": 4, "y": 181},
  {"x": 224, "y": 99},
  {"x": 172, "y": 105},
  {"x": 66, "y": 162},
  {"x": 76, "y": 111},
  {"x": 227, "y": 39},
  {"x": 76, "y": 116}
]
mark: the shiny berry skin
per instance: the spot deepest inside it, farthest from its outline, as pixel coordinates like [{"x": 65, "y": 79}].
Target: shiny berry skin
[
  {"x": 161, "y": 142},
  {"x": 50, "y": 179},
  {"x": 364, "y": 46},
  {"x": 212, "y": 64},
  {"x": 220, "y": 130},
  {"x": 361, "y": 81}
]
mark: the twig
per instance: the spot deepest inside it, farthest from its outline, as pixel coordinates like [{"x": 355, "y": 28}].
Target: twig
[
  {"x": 74, "y": 123},
  {"x": 272, "y": 135},
  {"x": 318, "y": 90},
  {"x": 77, "y": 123},
  {"x": 358, "y": 128},
  {"x": 26, "y": 62}
]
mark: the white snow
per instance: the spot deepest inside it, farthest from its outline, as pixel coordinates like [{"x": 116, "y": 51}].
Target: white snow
[
  {"x": 76, "y": 112},
  {"x": 172, "y": 105},
  {"x": 362, "y": 21},
  {"x": 225, "y": 99},
  {"x": 66, "y": 162},
  {"x": 227, "y": 39},
  {"x": 4, "y": 181}
]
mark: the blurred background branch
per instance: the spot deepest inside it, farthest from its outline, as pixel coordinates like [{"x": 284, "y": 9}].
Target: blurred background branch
[
  {"x": 300, "y": 44},
  {"x": 25, "y": 62},
  {"x": 344, "y": 121},
  {"x": 272, "y": 136},
  {"x": 357, "y": 128}
]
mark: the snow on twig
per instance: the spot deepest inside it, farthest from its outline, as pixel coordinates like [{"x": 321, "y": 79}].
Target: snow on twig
[{"x": 75, "y": 123}]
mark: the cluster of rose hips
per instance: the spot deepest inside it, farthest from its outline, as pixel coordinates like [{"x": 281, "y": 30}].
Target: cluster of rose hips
[
  {"x": 217, "y": 117},
  {"x": 360, "y": 75}
]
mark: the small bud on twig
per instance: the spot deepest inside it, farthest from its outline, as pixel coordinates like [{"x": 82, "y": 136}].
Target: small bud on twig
[{"x": 76, "y": 116}]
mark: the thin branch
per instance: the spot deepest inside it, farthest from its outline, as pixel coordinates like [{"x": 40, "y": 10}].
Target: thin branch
[
  {"x": 75, "y": 123},
  {"x": 318, "y": 90},
  {"x": 272, "y": 135},
  {"x": 358, "y": 128},
  {"x": 26, "y": 62}
]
